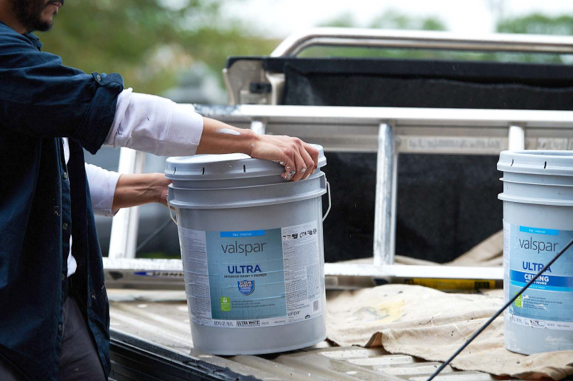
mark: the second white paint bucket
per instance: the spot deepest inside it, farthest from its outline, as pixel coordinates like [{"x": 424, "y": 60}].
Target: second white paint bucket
[
  {"x": 537, "y": 223},
  {"x": 252, "y": 252}
]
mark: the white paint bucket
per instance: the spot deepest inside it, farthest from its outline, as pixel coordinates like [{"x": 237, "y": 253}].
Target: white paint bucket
[
  {"x": 537, "y": 222},
  {"x": 252, "y": 253}
]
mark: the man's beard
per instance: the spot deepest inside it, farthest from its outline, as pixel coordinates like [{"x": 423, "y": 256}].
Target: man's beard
[{"x": 29, "y": 13}]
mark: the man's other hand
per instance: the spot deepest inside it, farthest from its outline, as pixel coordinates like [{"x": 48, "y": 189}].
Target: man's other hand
[{"x": 139, "y": 189}]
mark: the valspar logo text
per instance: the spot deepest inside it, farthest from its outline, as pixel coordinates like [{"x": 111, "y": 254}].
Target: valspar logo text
[
  {"x": 243, "y": 248},
  {"x": 540, "y": 240},
  {"x": 538, "y": 245},
  {"x": 238, "y": 247}
]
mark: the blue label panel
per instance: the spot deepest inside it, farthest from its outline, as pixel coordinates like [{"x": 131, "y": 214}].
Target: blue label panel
[
  {"x": 550, "y": 297},
  {"x": 246, "y": 270}
]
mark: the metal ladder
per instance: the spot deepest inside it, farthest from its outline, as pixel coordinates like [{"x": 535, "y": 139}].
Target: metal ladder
[{"x": 386, "y": 131}]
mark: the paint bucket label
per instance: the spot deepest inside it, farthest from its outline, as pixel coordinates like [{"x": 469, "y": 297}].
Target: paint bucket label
[
  {"x": 547, "y": 303},
  {"x": 254, "y": 278}
]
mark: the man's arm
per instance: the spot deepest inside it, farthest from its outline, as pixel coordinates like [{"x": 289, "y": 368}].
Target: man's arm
[
  {"x": 111, "y": 191},
  {"x": 159, "y": 126},
  {"x": 139, "y": 189},
  {"x": 298, "y": 157}
]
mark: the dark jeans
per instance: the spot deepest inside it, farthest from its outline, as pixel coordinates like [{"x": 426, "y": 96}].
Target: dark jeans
[{"x": 79, "y": 361}]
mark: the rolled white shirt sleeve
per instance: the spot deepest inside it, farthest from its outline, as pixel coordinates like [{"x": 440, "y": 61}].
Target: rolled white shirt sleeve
[
  {"x": 156, "y": 125},
  {"x": 102, "y": 189}
]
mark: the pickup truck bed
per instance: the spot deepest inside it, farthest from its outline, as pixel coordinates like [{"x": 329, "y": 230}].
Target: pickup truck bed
[{"x": 151, "y": 340}]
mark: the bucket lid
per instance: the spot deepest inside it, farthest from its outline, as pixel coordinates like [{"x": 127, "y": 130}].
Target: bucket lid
[
  {"x": 226, "y": 166},
  {"x": 557, "y": 163}
]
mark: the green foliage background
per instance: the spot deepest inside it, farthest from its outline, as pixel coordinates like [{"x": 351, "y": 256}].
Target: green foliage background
[{"x": 148, "y": 41}]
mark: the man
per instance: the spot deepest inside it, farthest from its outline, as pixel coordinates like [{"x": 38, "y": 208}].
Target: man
[{"x": 54, "y": 313}]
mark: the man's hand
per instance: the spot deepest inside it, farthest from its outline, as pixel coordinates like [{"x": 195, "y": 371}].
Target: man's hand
[
  {"x": 299, "y": 158},
  {"x": 161, "y": 183}
]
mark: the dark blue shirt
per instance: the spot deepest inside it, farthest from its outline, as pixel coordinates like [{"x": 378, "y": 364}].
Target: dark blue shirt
[{"x": 43, "y": 201}]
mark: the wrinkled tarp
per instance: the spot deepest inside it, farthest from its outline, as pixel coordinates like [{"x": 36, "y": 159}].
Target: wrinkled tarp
[{"x": 432, "y": 325}]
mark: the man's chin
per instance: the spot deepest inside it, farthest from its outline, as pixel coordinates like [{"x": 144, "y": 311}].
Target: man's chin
[
  {"x": 44, "y": 26},
  {"x": 46, "y": 21}
]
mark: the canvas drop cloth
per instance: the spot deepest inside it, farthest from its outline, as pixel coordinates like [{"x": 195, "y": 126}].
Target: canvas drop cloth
[{"x": 432, "y": 325}]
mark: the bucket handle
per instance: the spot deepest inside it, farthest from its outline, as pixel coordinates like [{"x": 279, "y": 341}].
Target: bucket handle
[
  {"x": 329, "y": 202},
  {"x": 169, "y": 198},
  {"x": 171, "y": 214}
]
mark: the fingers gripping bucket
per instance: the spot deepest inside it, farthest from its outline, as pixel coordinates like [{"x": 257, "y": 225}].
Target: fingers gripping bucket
[
  {"x": 537, "y": 223},
  {"x": 252, "y": 253}
]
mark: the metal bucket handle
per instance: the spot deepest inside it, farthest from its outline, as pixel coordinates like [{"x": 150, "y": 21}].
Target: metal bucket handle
[
  {"x": 329, "y": 202},
  {"x": 171, "y": 214}
]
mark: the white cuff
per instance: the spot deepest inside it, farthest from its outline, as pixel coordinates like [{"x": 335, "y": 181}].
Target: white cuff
[
  {"x": 102, "y": 189},
  {"x": 157, "y": 125},
  {"x": 185, "y": 132},
  {"x": 123, "y": 101}
]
